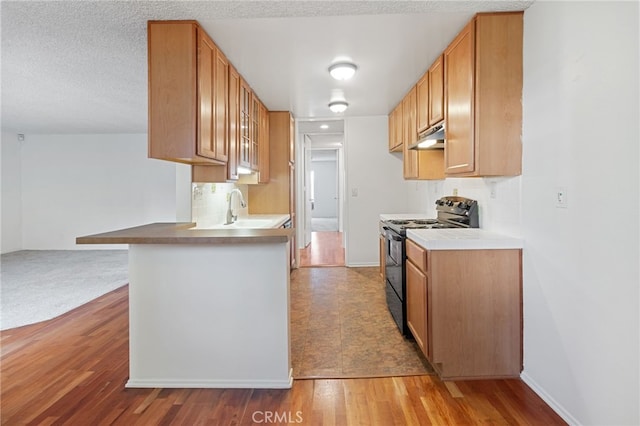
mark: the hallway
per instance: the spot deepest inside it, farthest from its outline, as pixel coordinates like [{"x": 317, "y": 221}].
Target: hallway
[{"x": 325, "y": 249}]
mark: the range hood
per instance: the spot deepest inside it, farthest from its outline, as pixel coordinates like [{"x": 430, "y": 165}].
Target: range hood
[{"x": 432, "y": 138}]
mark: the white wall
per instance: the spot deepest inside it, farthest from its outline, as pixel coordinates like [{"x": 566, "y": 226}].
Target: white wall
[
  {"x": 581, "y": 277},
  {"x": 580, "y": 272},
  {"x": 376, "y": 176},
  {"x": 75, "y": 185},
  {"x": 11, "y": 193}
]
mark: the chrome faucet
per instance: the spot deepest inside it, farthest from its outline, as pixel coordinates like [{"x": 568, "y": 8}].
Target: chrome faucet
[{"x": 230, "y": 216}]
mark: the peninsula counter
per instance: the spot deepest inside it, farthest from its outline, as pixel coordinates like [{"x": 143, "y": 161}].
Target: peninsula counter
[{"x": 208, "y": 308}]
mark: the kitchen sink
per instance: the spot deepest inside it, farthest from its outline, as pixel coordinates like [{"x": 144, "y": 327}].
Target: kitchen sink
[{"x": 242, "y": 224}]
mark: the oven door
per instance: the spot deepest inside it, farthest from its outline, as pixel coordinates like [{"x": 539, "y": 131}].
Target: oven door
[{"x": 394, "y": 258}]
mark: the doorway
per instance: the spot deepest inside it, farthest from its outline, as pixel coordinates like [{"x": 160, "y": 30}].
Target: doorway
[{"x": 321, "y": 182}]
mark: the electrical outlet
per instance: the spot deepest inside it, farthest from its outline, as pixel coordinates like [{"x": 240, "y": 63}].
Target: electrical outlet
[
  {"x": 213, "y": 188},
  {"x": 561, "y": 198},
  {"x": 354, "y": 192},
  {"x": 493, "y": 192},
  {"x": 455, "y": 192}
]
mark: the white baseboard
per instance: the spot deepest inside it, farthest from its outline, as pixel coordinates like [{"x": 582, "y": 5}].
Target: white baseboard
[
  {"x": 363, "y": 265},
  {"x": 551, "y": 402},
  {"x": 217, "y": 384}
]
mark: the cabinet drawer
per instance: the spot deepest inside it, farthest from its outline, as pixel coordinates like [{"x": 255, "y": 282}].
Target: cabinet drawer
[{"x": 417, "y": 255}]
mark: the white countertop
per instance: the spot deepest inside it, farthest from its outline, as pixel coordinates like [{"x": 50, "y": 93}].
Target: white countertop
[{"x": 463, "y": 239}]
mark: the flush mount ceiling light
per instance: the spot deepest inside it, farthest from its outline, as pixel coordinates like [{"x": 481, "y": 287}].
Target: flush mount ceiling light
[
  {"x": 342, "y": 70},
  {"x": 324, "y": 126},
  {"x": 338, "y": 106}
]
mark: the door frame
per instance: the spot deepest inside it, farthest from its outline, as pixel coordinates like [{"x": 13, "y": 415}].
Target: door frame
[{"x": 305, "y": 146}]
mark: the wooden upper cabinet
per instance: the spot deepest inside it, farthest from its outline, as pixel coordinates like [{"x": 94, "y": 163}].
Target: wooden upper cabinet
[
  {"x": 418, "y": 164},
  {"x": 483, "y": 102},
  {"x": 234, "y": 124},
  {"x": 422, "y": 88},
  {"x": 430, "y": 96},
  {"x": 254, "y": 153},
  {"x": 221, "y": 107},
  {"x": 278, "y": 196},
  {"x": 410, "y": 157},
  {"x": 263, "y": 157},
  {"x": 436, "y": 91},
  {"x": 396, "y": 129},
  {"x": 245, "y": 125},
  {"x": 213, "y": 69},
  {"x": 187, "y": 94},
  {"x": 292, "y": 140}
]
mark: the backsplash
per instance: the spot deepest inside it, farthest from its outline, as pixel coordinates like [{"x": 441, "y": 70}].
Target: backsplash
[
  {"x": 209, "y": 202},
  {"x": 498, "y": 200}
]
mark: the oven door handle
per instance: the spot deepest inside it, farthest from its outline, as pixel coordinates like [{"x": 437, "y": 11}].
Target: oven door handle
[{"x": 389, "y": 235}]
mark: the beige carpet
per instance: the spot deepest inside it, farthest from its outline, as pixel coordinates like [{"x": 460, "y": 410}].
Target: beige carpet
[{"x": 341, "y": 328}]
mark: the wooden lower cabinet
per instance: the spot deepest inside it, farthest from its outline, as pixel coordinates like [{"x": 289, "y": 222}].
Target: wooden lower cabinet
[
  {"x": 464, "y": 308},
  {"x": 417, "y": 305}
]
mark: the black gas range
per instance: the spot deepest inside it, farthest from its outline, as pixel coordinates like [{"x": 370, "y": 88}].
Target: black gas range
[{"x": 452, "y": 212}]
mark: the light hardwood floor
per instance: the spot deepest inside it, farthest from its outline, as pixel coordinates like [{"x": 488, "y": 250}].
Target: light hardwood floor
[
  {"x": 71, "y": 370},
  {"x": 325, "y": 249}
]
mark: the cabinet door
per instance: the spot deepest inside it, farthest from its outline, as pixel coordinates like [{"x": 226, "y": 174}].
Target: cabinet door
[
  {"x": 399, "y": 128},
  {"x": 410, "y": 157},
  {"x": 423, "y": 104},
  {"x": 221, "y": 106},
  {"x": 417, "y": 305},
  {"x": 254, "y": 152},
  {"x": 212, "y": 100},
  {"x": 292, "y": 140},
  {"x": 263, "y": 158},
  {"x": 459, "y": 82},
  {"x": 392, "y": 132},
  {"x": 206, "y": 58},
  {"x": 234, "y": 124},
  {"x": 245, "y": 125},
  {"x": 436, "y": 91}
]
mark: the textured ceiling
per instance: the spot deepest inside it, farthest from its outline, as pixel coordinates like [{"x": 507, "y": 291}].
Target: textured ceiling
[{"x": 81, "y": 66}]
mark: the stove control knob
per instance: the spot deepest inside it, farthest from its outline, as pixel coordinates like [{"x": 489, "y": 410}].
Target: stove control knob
[
  {"x": 450, "y": 203},
  {"x": 439, "y": 202},
  {"x": 463, "y": 205}
]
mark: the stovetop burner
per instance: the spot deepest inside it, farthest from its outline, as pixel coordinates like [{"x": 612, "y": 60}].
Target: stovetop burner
[
  {"x": 425, "y": 221},
  {"x": 403, "y": 224},
  {"x": 453, "y": 212},
  {"x": 399, "y": 222}
]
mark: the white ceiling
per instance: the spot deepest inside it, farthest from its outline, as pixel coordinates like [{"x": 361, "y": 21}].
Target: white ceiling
[{"x": 81, "y": 67}]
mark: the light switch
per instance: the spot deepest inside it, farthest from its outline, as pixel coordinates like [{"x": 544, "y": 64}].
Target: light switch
[
  {"x": 354, "y": 192},
  {"x": 561, "y": 198}
]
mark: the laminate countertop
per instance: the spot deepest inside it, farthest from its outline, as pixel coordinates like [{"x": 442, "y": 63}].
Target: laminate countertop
[
  {"x": 463, "y": 239},
  {"x": 184, "y": 233}
]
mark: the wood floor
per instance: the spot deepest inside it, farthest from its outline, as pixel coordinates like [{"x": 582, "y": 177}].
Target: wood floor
[
  {"x": 71, "y": 370},
  {"x": 325, "y": 249}
]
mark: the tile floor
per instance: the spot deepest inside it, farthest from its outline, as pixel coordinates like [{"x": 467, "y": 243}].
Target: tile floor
[{"x": 341, "y": 328}]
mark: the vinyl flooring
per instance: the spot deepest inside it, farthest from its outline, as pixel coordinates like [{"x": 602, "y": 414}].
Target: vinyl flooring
[{"x": 341, "y": 327}]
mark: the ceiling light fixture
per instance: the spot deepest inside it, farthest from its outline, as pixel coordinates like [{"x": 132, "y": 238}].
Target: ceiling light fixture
[
  {"x": 342, "y": 70},
  {"x": 338, "y": 106},
  {"x": 324, "y": 126}
]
